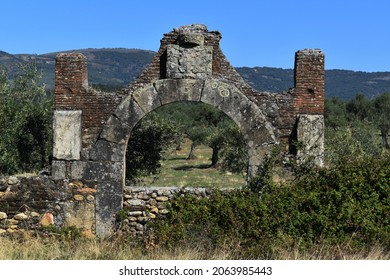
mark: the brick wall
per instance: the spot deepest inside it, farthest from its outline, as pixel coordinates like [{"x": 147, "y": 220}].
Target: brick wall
[
  {"x": 73, "y": 93},
  {"x": 309, "y": 82}
]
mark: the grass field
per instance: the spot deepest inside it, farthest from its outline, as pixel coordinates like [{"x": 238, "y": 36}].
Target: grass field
[
  {"x": 177, "y": 171},
  {"x": 116, "y": 248}
]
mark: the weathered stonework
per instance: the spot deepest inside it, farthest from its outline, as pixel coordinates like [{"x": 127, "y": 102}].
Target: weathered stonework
[
  {"x": 310, "y": 138},
  {"x": 189, "y": 66},
  {"x": 143, "y": 204},
  {"x": 184, "y": 62},
  {"x": 35, "y": 202},
  {"x": 67, "y": 135}
]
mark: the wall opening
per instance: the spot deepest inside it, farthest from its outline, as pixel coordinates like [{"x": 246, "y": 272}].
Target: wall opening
[{"x": 186, "y": 144}]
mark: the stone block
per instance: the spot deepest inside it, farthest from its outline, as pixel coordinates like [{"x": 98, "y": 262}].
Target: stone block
[
  {"x": 67, "y": 169},
  {"x": 189, "y": 89},
  {"x": 107, "y": 208},
  {"x": 214, "y": 91},
  {"x": 232, "y": 99},
  {"x": 310, "y": 136},
  {"x": 171, "y": 90},
  {"x": 58, "y": 169},
  {"x": 47, "y": 220},
  {"x": 76, "y": 170},
  {"x": 21, "y": 217},
  {"x": 129, "y": 112},
  {"x": 12, "y": 180},
  {"x": 116, "y": 131},
  {"x": 188, "y": 38},
  {"x": 67, "y": 135},
  {"x": 184, "y": 62},
  {"x": 168, "y": 91},
  {"x": 3, "y": 215},
  {"x": 104, "y": 150},
  {"x": 147, "y": 98},
  {"x": 135, "y": 202},
  {"x": 81, "y": 215}
]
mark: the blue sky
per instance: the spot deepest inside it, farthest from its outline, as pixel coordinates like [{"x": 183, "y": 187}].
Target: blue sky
[{"x": 354, "y": 35}]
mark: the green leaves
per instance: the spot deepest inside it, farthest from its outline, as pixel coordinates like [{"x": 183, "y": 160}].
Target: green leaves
[
  {"x": 346, "y": 204},
  {"x": 147, "y": 144},
  {"x": 25, "y": 122}
]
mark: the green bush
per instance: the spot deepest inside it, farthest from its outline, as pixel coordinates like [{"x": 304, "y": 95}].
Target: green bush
[{"x": 347, "y": 204}]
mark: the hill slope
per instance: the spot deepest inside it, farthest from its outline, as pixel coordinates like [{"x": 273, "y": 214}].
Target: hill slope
[
  {"x": 118, "y": 67},
  {"x": 114, "y": 67}
]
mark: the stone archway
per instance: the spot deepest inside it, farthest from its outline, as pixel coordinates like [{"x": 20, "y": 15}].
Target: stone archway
[
  {"x": 111, "y": 146},
  {"x": 91, "y": 128}
]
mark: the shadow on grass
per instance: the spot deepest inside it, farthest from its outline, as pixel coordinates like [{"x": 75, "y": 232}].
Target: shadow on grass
[
  {"x": 175, "y": 158},
  {"x": 190, "y": 167}
]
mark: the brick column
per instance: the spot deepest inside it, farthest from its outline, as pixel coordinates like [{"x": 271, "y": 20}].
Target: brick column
[
  {"x": 309, "y": 79},
  {"x": 70, "y": 87},
  {"x": 71, "y": 80}
]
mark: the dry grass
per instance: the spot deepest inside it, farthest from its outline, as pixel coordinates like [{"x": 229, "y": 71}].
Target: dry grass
[
  {"x": 30, "y": 247},
  {"x": 38, "y": 248},
  {"x": 334, "y": 252}
]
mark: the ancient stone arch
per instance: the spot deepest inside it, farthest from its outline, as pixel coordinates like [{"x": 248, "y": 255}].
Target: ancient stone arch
[{"x": 91, "y": 128}]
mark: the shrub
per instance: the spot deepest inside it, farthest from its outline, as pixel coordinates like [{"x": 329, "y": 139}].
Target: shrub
[{"x": 347, "y": 204}]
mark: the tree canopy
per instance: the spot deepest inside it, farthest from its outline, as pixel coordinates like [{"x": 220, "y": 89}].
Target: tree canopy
[{"x": 25, "y": 121}]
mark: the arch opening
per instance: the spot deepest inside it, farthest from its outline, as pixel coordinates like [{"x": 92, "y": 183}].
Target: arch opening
[
  {"x": 256, "y": 130},
  {"x": 186, "y": 143},
  {"x": 107, "y": 155}
]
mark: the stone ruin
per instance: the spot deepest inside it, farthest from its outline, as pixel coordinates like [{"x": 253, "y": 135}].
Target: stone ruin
[{"x": 91, "y": 128}]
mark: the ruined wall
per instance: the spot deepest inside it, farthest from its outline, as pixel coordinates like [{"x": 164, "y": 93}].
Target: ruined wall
[
  {"x": 35, "y": 202},
  {"x": 281, "y": 109},
  {"x": 72, "y": 93},
  {"x": 32, "y": 203},
  {"x": 143, "y": 204},
  {"x": 91, "y": 128}
]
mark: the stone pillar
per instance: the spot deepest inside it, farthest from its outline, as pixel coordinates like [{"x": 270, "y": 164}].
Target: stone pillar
[
  {"x": 70, "y": 84},
  {"x": 309, "y": 91},
  {"x": 309, "y": 79}
]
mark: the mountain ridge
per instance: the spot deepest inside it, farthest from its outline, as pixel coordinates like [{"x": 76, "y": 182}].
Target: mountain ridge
[{"x": 118, "y": 67}]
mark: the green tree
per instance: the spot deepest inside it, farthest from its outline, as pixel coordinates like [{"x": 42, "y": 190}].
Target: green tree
[
  {"x": 149, "y": 141},
  {"x": 25, "y": 121},
  {"x": 359, "y": 108},
  {"x": 382, "y": 117},
  {"x": 335, "y": 113},
  {"x": 234, "y": 153}
]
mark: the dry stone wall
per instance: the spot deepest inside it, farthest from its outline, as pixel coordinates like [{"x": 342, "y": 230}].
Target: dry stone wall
[
  {"x": 143, "y": 204},
  {"x": 33, "y": 203}
]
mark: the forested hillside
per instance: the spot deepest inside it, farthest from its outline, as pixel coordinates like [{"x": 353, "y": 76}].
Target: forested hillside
[{"x": 116, "y": 68}]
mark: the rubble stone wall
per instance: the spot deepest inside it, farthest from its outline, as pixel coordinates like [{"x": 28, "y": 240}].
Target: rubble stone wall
[{"x": 33, "y": 203}]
